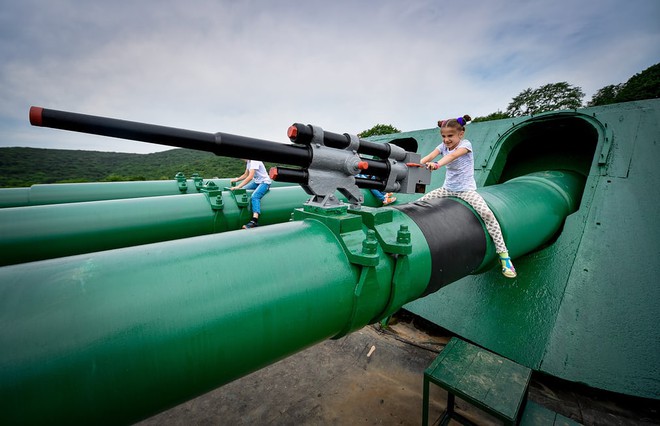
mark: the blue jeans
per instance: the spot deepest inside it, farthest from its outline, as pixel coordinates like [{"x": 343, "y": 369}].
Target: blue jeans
[
  {"x": 378, "y": 194},
  {"x": 257, "y": 195}
]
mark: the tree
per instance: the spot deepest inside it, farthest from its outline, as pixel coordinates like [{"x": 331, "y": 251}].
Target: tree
[
  {"x": 645, "y": 85},
  {"x": 499, "y": 115},
  {"x": 379, "y": 129},
  {"x": 549, "y": 97},
  {"x": 606, "y": 95}
]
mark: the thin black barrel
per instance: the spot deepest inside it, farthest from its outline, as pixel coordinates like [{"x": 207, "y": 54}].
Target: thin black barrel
[
  {"x": 222, "y": 144},
  {"x": 302, "y": 134},
  {"x": 284, "y": 174}
]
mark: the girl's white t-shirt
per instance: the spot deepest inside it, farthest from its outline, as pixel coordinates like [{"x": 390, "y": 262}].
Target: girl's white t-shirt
[
  {"x": 260, "y": 173},
  {"x": 460, "y": 172}
]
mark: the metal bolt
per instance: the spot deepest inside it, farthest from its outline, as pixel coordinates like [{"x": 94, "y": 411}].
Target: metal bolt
[
  {"x": 403, "y": 235},
  {"x": 370, "y": 243}
]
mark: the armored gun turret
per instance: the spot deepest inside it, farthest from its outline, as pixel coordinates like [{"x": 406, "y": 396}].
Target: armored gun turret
[{"x": 81, "y": 347}]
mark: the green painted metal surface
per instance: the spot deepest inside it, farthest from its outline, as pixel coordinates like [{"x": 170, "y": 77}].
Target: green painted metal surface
[
  {"x": 583, "y": 308},
  {"x": 47, "y": 231},
  {"x": 114, "y": 336},
  {"x": 60, "y": 193},
  {"x": 535, "y": 415},
  {"x": 519, "y": 203},
  {"x": 610, "y": 307},
  {"x": 489, "y": 382}
]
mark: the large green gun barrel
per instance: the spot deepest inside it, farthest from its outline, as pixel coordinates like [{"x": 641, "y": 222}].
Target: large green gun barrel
[
  {"x": 61, "y": 193},
  {"x": 48, "y": 231},
  {"x": 43, "y": 194},
  {"x": 116, "y": 336}
]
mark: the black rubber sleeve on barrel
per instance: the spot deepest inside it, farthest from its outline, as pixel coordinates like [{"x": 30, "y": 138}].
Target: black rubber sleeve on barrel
[{"x": 455, "y": 237}]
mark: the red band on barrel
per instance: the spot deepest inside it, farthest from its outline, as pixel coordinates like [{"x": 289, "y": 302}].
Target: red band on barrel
[{"x": 36, "y": 116}]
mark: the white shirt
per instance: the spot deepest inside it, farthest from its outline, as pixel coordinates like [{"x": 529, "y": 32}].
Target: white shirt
[
  {"x": 260, "y": 173},
  {"x": 460, "y": 172}
]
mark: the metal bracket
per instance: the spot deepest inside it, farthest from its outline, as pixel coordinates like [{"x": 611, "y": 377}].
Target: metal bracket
[
  {"x": 332, "y": 170},
  {"x": 214, "y": 194},
  {"x": 364, "y": 248},
  {"x": 199, "y": 182},
  {"x": 181, "y": 182},
  {"x": 240, "y": 196}
]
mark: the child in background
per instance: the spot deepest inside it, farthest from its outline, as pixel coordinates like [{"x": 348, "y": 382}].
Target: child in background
[
  {"x": 255, "y": 177},
  {"x": 459, "y": 181},
  {"x": 386, "y": 198}
]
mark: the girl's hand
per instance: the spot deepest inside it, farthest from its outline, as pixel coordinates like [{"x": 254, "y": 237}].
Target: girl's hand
[{"x": 432, "y": 166}]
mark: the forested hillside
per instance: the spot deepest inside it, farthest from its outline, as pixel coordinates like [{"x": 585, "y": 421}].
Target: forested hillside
[{"x": 21, "y": 167}]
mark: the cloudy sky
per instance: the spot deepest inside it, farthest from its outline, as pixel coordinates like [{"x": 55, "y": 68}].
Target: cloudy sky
[{"x": 254, "y": 67}]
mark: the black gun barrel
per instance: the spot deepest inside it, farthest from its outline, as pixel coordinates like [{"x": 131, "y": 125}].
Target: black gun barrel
[
  {"x": 370, "y": 183},
  {"x": 284, "y": 174},
  {"x": 223, "y": 144},
  {"x": 303, "y": 133}
]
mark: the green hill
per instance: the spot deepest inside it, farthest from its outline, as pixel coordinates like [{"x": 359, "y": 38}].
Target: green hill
[{"x": 21, "y": 167}]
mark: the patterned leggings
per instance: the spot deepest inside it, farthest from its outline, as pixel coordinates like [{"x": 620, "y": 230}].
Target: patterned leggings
[{"x": 477, "y": 202}]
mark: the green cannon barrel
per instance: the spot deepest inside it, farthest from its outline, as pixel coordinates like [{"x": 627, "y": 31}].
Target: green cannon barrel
[
  {"x": 60, "y": 193},
  {"x": 530, "y": 209},
  {"x": 517, "y": 197},
  {"x": 111, "y": 337},
  {"x": 49, "y": 231},
  {"x": 116, "y": 336}
]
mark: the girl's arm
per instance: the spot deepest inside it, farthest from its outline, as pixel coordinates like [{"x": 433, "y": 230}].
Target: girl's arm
[
  {"x": 449, "y": 158},
  {"x": 250, "y": 175},
  {"x": 430, "y": 156},
  {"x": 243, "y": 176}
]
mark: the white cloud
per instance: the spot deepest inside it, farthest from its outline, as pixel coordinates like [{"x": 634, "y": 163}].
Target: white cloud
[{"x": 254, "y": 67}]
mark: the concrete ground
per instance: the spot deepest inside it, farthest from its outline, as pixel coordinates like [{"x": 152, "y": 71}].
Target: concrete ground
[{"x": 374, "y": 377}]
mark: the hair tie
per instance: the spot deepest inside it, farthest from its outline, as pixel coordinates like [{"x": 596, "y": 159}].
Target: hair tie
[
  {"x": 461, "y": 121},
  {"x": 441, "y": 123}
]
